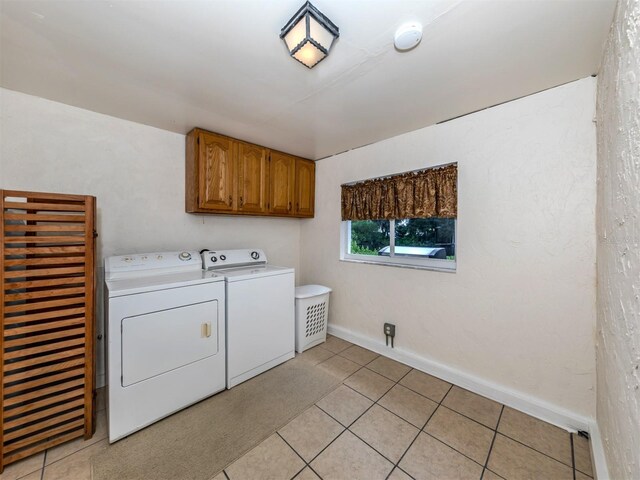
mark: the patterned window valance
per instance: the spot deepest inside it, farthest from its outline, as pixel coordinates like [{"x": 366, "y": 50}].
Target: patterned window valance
[{"x": 432, "y": 192}]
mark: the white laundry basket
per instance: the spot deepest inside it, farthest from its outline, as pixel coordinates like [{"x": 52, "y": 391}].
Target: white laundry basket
[{"x": 312, "y": 312}]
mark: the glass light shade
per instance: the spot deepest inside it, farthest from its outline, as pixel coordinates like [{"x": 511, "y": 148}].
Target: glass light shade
[
  {"x": 309, "y": 35},
  {"x": 321, "y": 35},
  {"x": 309, "y": 54},
  {"x": 296, "y": 35}
]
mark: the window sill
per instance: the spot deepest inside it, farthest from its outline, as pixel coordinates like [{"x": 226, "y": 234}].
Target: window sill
[{"x": 448, "y": 269}]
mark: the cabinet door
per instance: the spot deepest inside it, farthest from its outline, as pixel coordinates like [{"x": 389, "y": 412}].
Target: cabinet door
[
  {"x": 253, "y": 178},
  {"x": 282, "y": 180},
  {"x": 216, "y": 172},
  {"x": 305, "y": 187}
]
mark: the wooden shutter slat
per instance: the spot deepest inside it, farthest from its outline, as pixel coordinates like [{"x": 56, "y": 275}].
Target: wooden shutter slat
[
  {"x": 23, "y": 419},
  {"x": 43, "y": 272},
  {"x": 31, "y": 339},
  {"x": 20, "y": 409},
  {"x": 36, "y": 217},
  {"x": 42, "y": 435},
  {"x": 42, "y": 381},
  {"x": 44, "y": 195},
  {"x": 25, "y": 352},
  {"x": 39, "y": 305},
  {"x": 10, "y": 367},
  {"x": 43, "y": 250},
  {"x": 34, "y": 317},
  {"x": 66, "y": 259},
  {"x": 44, "y": 424},
  {"x": 41, "y": 327},
  {"x": 46, "y": 239},
  {"x": 55, "y": 367},
  {"x": 52, "y": 207},
  {"x": 49, "y": 282},
  {"x": 51, "y": 442},
  {"x": 57, "y": 292},
  {"x": 28, "y": 398},
  {"x": 44, "y": 228}
]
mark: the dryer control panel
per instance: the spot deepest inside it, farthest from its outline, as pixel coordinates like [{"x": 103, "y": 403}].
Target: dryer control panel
[
  {"x": 214, "y": 259},
  {"x": 155, "y": 263}
]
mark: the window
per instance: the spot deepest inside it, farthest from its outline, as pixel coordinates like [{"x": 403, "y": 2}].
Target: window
[
  {"x": 418, "y": 242},
  {"x": 408, "y": 219}
]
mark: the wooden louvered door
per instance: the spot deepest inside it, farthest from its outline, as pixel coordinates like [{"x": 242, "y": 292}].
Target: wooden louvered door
[{"x": 47, "y": 313}]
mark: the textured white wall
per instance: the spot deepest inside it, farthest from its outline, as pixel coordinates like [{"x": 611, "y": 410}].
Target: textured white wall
[
  {"x": 618, "y": 251},
  {"x": 520, "y": 310},
  {"x": 137, "y": 174}
]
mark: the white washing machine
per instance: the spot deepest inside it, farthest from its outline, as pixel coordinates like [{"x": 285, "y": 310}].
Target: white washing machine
[
  {"x": 165, "y": 337},
  {"x": 260, "y": 311}
]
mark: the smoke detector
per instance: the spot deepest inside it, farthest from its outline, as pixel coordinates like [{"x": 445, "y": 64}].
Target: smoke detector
[{"x": 408, "y": 36}]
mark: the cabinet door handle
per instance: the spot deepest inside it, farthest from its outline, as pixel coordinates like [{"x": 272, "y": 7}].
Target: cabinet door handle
[
  {"x": 241, "y": 201},
  {"x": 230, "y": 199},
  {"x": 289, "y": 205}
]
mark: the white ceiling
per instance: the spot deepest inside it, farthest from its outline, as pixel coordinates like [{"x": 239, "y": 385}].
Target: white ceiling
[{"x": 220, "y": 65}]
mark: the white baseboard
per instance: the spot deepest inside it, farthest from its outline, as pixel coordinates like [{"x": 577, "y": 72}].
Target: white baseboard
[
  {"x": 598, "y": 458},
  {"x": 520, "y": 401},
  {"x": 535, "y": 407}
]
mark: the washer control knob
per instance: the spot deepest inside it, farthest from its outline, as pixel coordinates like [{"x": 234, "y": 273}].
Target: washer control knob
[
  {"x": 223, "y": 258},
  {"x": 184, "y": 256},
  {"x": 255, "y": 255},
  {"x": 213, "y": 259}
]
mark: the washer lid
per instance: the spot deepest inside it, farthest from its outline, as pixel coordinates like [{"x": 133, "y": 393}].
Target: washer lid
[
  {"x": 130, "y": 286},
  {"x": 255, "y": 271}
]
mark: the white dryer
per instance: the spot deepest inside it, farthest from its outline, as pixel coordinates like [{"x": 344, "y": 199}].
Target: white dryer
[
  {"x": 260, "y": 311},
  {"x": 165, "y": 336}
]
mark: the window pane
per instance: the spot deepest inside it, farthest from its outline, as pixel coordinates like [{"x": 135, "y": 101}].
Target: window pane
[
  {"x": 368, "y": 236},
  {"x": 426, "y": 238}
]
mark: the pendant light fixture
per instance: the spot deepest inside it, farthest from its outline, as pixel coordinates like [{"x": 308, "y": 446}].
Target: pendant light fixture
[{"x": 309, "y": 35}]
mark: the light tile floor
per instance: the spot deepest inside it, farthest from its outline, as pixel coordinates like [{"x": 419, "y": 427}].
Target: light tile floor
[
  {"x": 386, "y": 421},
  {"x": 389, "y": 421}
]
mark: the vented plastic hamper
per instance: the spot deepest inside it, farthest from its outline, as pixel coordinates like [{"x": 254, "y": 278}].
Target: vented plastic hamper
[{"x": 312, "y": 313}]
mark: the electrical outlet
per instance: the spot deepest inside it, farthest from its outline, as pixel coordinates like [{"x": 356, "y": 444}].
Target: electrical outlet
[
  {"x": 389, "y": 333},
  {"x": 390, "y": 329}
]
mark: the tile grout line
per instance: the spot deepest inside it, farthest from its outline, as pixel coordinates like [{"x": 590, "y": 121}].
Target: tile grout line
[
  {"x": 423, "y": 426},
  {"x": 473, "y": 420},
  {"x": 294, "y": 451},
  {"x": 44, "y": 463},
  {"x": 311, "y": 468},
  {"x": 495, "y": 434},
  {"x": 356, "y": 419},
  {"x": 531, "y": 448},
  {"x": 327, "y": 446},
  {"x": 308, "y": 464},
  {"x": 421, "y": 394},
  {"x": 573, "y": 457},
  {"x": 375, "y": 402}
]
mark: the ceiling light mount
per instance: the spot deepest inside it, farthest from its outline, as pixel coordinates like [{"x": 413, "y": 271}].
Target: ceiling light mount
[
  {"x": 309, "y": 35},
  {"x": 408, "y": 36}
]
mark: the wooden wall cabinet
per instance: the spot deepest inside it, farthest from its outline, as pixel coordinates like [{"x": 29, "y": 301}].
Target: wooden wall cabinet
[
  {"x": 216, "y": 169},
  {"x": 253, "y": 178},
  {"x": 229, "y": 176},
  {"x": 305, "y": 187},
  {"x": 282, "y": 185}
]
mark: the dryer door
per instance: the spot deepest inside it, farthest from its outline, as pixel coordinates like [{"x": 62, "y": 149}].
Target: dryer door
[{"x": 157, "y": 342}]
